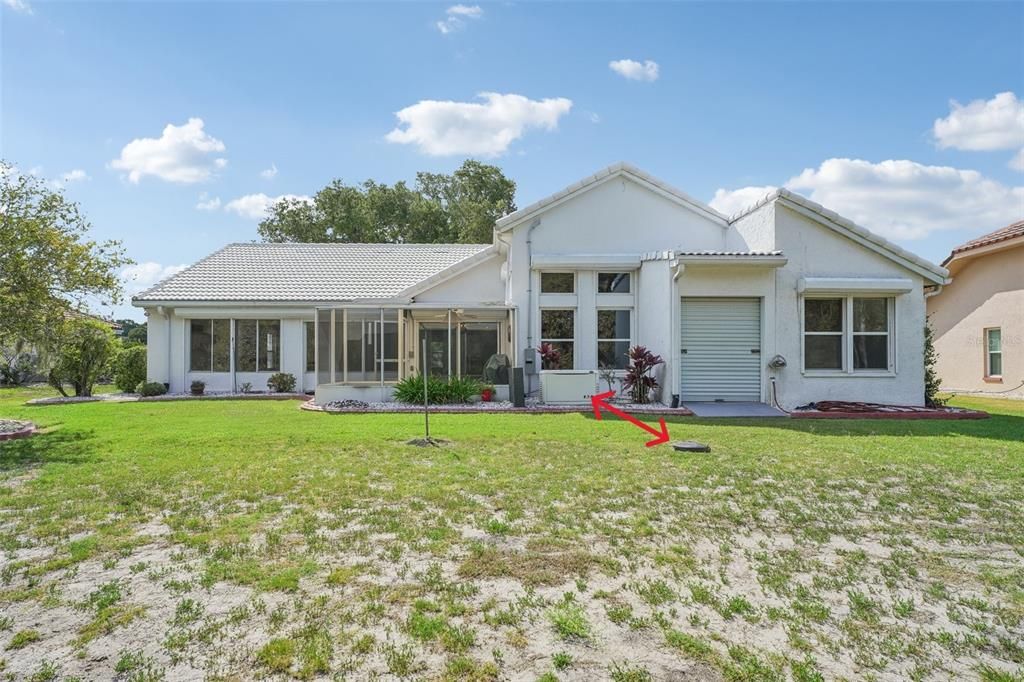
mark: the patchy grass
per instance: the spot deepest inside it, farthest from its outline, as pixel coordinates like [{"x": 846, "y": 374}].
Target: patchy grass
[{"x": 252, "y": 539}]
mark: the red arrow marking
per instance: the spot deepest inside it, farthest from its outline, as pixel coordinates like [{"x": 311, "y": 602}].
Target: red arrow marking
[{"x": 601, "y": 401}]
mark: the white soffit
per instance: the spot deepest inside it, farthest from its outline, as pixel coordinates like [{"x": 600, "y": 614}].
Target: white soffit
[{"x": 585, "y": 261}]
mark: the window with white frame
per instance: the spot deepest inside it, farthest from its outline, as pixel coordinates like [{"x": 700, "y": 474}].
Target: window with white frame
[
  {"x": 558, "y": 328},
  {"x": 258, "y": 345},
  {"x": 613, "y": 338},
  {"x": 848, "y": 334},
  {"x": 994, "y": 353},
  {"x": 209, "y": 346}
]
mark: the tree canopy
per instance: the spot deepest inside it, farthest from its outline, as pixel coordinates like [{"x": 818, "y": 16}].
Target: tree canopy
[
  {"x": 48, "y": 265},
  {"x": 457, "y": 208}
]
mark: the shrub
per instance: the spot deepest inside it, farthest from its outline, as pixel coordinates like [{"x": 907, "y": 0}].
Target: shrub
[
  {"x": 129, "y": 367},
  {"x": 18, "y": 364},
  {"x": 638, "y": 380},
  {"x": 410, "y": 390},
  {"x": 150, "y": 388},
  {"x": 932, "y": 382},
  {"x": 461, "y": 389},
  {"x": 82, "y": 349},
  {"x": 198, "y": 387},
  {"x": 246, "y": 387},
  {"x": 282, "y": 382}
]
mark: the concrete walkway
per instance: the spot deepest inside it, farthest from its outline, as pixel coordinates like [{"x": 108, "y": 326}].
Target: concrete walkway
[{"x": 734, "y": 410}]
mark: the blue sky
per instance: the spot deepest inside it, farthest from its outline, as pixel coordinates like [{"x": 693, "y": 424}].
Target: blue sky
[{"x": 908, "y": 118}]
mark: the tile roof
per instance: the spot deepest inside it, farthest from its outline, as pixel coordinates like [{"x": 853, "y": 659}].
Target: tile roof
[
  {"x": 1001, "y": 235},
  {"x": 724, "y": 255},
  {"x": 310, "y": 272}
]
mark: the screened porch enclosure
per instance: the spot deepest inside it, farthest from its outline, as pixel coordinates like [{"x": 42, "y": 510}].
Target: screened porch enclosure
[{"x": 379, "y": 346}]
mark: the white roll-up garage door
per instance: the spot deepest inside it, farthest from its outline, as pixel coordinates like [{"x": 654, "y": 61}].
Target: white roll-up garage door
[{"x": 721, "y": 349}]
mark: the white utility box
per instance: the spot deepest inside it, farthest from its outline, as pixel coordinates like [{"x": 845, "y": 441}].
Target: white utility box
[{"x": 567, "y": 386}]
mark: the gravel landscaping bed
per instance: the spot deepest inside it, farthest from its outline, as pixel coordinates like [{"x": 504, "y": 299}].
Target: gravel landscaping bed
[{"x": 13, "y": 428}]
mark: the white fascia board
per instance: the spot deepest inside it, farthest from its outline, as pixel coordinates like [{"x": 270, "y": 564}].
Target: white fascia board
[
  {"x": 585, "y": 261},
  {"x": 874, "y": 285}
]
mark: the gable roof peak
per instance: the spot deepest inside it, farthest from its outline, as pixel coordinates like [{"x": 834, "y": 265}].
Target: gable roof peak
[{"x": 618, "y": 169}]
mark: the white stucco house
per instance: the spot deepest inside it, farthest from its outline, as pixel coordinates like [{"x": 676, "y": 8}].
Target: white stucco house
[{"x": 784, "y": 300}]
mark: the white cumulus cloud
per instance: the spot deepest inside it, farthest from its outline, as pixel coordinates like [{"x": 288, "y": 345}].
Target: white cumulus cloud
[
  {"x": 142, "y": 276},
  {"x": 983, "y": 125},
  {"x": 456, "y": 16},
  {"x": 1017, "y": 162},
  {"x": 487, "y": 128},
  {"x": 208, "y": 203},
  {"x": 75, "y": 175},
  {"x": 634, "y": 70},
  {"x": 731, "y": 202},
  {"x": 898, "y": 199},
  {"x": 269, "y": 173},
  {"x": 183, "y": 154},
  {"x": 256, "y": 206},
  {"x": 19, "y": 6}
]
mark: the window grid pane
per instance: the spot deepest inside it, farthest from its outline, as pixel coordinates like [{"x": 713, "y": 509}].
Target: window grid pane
[
  {"x": 310, "y": 330},
  {"x": 558, "y": 328},
  {"x": 613, "y": 282},
  {"x": 557, "y": 283}
]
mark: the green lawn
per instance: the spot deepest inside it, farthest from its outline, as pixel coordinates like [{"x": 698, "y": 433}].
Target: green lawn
[{"x": 241, "y": 539}]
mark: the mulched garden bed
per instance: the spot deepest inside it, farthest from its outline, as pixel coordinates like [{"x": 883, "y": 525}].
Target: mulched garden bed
[
  {"x": 12, "y": 428},
  {"x": 498, "y": 406},
  {"x": 837, "y": 409}
]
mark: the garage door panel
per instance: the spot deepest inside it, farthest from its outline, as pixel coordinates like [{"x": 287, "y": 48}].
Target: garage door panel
[{"x": 718, "y": 335}]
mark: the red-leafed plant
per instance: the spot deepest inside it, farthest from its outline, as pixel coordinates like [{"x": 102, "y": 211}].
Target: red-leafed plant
[
  {"x": 638, "y": 380},
  {"x": 550, "y": 357}
]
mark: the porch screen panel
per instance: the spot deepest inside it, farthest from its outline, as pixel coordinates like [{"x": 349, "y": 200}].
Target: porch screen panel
[
  {"x": 389, "y": 347},
  {"x": 221, "y": 345},
  {"x": 199, "y": 345},
  {"x": 478, "y": 342},
  {"x": 362, "y": 339},
  {"x": 323, "y": 346},
  {"x": 269, "y": 349},
  {"x": 245, "y": 345}
]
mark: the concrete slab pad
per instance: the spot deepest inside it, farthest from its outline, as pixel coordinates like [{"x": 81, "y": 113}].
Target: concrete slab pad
[{"x": 734, "y": 410}]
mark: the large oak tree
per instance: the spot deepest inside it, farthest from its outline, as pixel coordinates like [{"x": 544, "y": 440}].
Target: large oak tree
[
  {"x": 457, "y": 208},
  {"x": 48, "y": 264}
]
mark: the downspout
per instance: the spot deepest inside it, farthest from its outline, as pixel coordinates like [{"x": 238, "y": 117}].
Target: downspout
[
  {"x": 167, "y": 315},
  {"x": 934, "y": 292},
  {"x": 529, "y": 296}
]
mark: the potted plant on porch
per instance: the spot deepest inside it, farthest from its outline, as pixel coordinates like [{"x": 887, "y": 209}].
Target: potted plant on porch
[
  {"x": 487, "y": 393},
  {"x": 198, "y": 387}
]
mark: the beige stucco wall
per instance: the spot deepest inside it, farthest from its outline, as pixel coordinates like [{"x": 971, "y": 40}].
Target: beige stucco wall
[{"x": 987, "y": 291}]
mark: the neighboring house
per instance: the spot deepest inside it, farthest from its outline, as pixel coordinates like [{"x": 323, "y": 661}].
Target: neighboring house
[
  {"x": 786, "y": 292},
  {"x": 979, "y": 318}
]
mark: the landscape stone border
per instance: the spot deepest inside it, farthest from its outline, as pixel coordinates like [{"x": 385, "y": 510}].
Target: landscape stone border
[
  {"x": 472, "y": 408},
  {"x": 167, "y": 397},
  {"x": 29, "y": 430}
]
